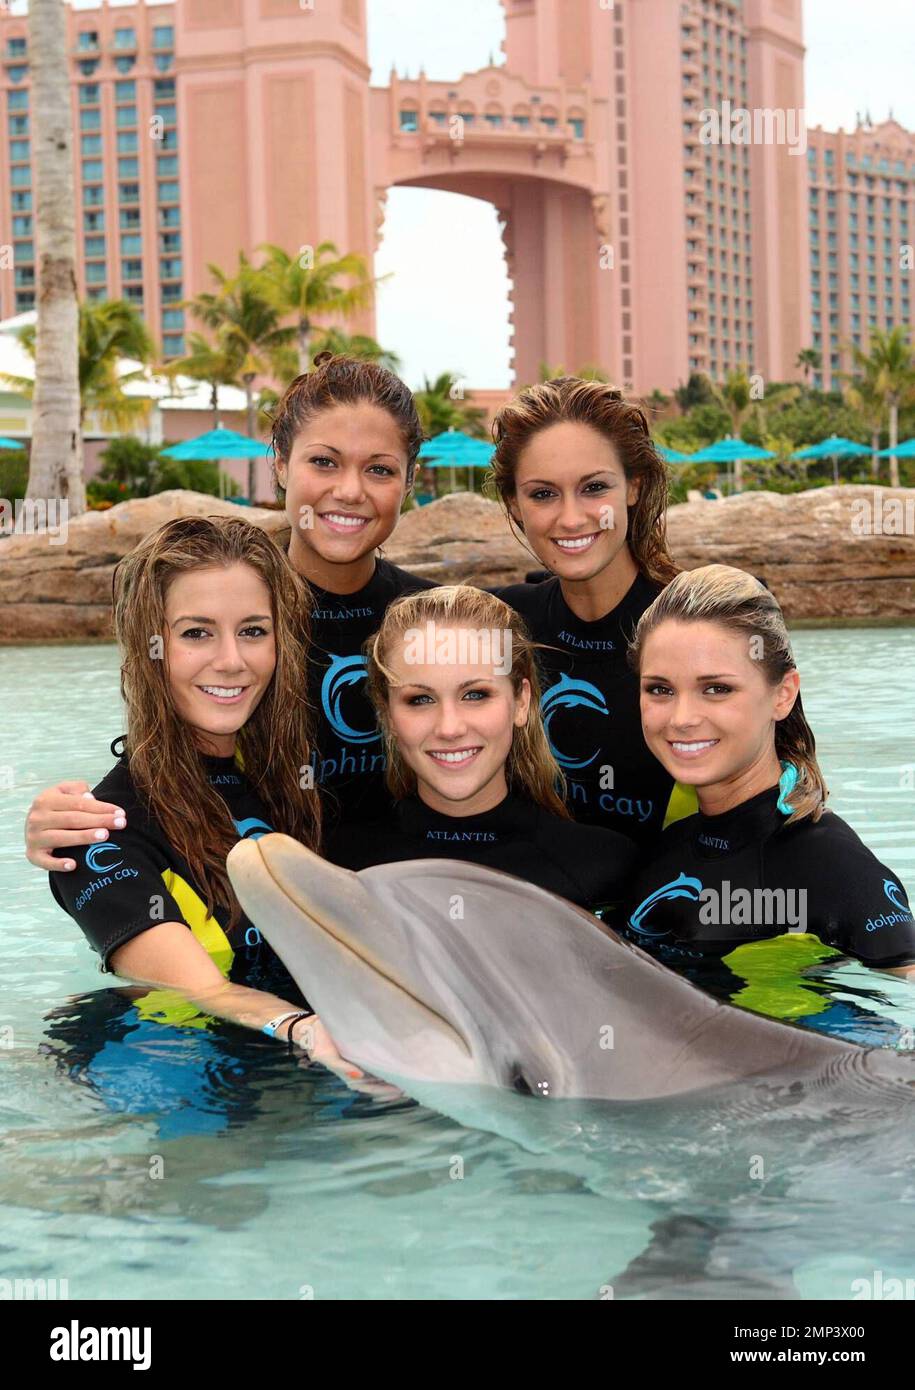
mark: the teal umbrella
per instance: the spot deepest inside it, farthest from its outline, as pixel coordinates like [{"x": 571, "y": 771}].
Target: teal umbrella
[
  {"x": 11, "y": 443},
  {"x": 220, "y": 444},
  {"x": 731, "y": 450},
  {"x": 835, "y": 448},
  {"x": 906, "y": 450},
  {"x": 671, "y": 455},
  {"x": 454, "y": 449}
]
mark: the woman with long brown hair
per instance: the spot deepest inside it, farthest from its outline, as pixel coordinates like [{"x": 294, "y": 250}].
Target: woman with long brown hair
[
  {"x": 584, "y": 486},
  {"x": 452, "y": 674},
  {"x": 213, "y": 624},
  {"x": 721, "y": 707},
  {"x": 346, "y": 436}
]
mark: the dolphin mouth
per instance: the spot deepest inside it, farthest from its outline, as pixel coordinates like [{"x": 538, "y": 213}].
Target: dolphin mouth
[{"x": 290, "y": 866}]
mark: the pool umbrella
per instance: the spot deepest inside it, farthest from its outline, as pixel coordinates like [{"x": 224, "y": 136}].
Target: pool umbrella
[
  {"x": 219, "y": 444},
  {"x": 11, "y": 443},
  {"x": 671, "y": 455},
  {"x": 454, "y": 449},
  {"x": 835, "y": 448},
  {"x": 731, "y": 450},
  {"x": 906, "y": 450}
]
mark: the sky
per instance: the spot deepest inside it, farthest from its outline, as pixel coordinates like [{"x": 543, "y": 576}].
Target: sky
[{"x": 446, "y": 305}]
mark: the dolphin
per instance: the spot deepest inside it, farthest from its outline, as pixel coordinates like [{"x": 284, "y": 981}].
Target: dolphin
[{"x": 440, "y": 971}]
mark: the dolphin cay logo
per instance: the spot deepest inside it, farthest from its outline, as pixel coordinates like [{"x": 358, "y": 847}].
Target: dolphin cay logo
[
  {"x": 571, "y": 694},
  {"x": 94, "y": 859},
  {"x": 681, "y": 887},
  {"x": 342, "y": 673},
  {"x": 252, "y": 828},
  {"x": 890, "y": 919}
]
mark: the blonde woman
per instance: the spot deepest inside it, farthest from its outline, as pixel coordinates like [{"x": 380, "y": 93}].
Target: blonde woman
[
  {"x": 452, "y": 675},
  {"x": 721, "y": 709}
]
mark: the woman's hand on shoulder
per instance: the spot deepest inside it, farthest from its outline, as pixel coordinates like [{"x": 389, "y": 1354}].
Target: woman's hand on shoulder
[{"x": 64, "y": 816}]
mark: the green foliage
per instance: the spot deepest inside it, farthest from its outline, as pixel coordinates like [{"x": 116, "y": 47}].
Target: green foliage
[
  {"x": 130, "y": 464},
  {"x": 14, "y": 473},
  {"x": 197, "y": 475}
]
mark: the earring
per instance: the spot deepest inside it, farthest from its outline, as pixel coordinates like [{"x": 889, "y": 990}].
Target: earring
[{"x": 786, "y": 784}]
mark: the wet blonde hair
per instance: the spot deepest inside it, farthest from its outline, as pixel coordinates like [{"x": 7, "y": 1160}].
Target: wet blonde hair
[
  {"x": 531, "y": 769},
  {"x": 741, "y": 604}
]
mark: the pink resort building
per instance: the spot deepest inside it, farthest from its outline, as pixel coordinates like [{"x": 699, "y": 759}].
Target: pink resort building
[{"x": 663, "y": 209}]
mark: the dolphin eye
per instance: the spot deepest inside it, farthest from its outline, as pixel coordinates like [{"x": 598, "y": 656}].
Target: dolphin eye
[{"x": 519, "y": 1084}]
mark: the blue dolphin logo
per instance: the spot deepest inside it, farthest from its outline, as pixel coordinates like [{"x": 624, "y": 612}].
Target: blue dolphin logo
[
  {"x": 252, "y": 828},
  {"x": 94, "y": 861},
  {"x": 343, "y": 672},
  {"x": 569, "y": 694},
  {"x": 892, "y": 891},
  {"x": 680, "y": 887}
]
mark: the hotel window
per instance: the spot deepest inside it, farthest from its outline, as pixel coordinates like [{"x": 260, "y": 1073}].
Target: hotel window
[
  {"x": 20, "y": 175},
  {"x": 89, "y": 94},
  {"x": 17, "y": 101},
  {"x": 16, "y": 74},
  {"x": 131, "y": 270},
  {"x": 19, "y": 149},
  {"x": 169, "y": 114},
  {"x": 128, "y": 168},
  {"x": 171, "y": 293},
  {"x": 92, "y": 170},
  {"x": 173, "y": 318},
  {"x": 129, "y": 193},
  {"x": 168, "y": 192},
  {"x": 25, "y": 275},
  {"x": 90, "y": 144},
  {"x": 90, "y": 120},
  {"x": 163, "y": 36},
  {"x": 21, "y": 202},
  {"x": 167, "y": 164},
  {"x": 19, "y": 125},
  {"x": 95, "y": 271},
  {"x": 494, "y": 120},
  {"x": 87, "y": 41},
  {"x": 24, "y": 251},
  {"x": 173, "y": 346},
  {"x": 125, "y": 64},
  {"x": 125, "y": 91},
  {"x": 95, "y": 246},
  {"x": 125, "y": 38},
  {"x": 22, "y": 226},
  {"x": 129, "y": 218},
  {"x": 127, "y": 142},
  {"x": 170, "y": 269},
  {"x": 162, "y": 61},
  {"x": 131, "y": 245},
  {"x": 169, "y": 140},
  {"x": 578, "y": 128},
  {"x": 15, "y": 48},
  {"x": 133, "y": 294},
  {"x": 94, "y": 195},
  {"x": 125, "y": 116},
  {"x": 163, "y": 87},
  {"x": 169, "y": 217},
  {"x": 409, "y": 120},
  {"x": 170, "y": 241},
  {"x": 95, "y": 294}
]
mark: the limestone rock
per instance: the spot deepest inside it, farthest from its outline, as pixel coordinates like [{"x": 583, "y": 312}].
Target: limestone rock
[
  {"x": 51, "y": 591},
  {"x": 460, "y": 537}
]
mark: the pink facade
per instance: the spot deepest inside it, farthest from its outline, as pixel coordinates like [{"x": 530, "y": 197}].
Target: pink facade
[{"x": 635, "y": 240}]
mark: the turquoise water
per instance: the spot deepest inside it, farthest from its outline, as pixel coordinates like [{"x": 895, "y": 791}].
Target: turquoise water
[{"x": 141, "y": 1160}]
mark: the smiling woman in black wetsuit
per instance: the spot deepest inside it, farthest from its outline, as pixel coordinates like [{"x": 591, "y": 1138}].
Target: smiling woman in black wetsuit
[
  {"x": 577, "y": 472},
  {"x": 720, "y": 701},
  {"x": 453, "y": 677}
]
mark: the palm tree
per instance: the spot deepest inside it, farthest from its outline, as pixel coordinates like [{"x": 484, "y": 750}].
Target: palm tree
[
  {"x": 810, "y": 360},
  {"x": 109, "y": 331},
  {"x": 306, "y": 287},
  {"x": 248, "y": 330},
  {"x": 861, "y": 396},
  {"x": 889, "y": 367},
  {"x": 440, "y": 410},
  {"x": 735, "y": 396},
  {"x": 217, "y": 365},
  {"x": 56, "y": 460}
]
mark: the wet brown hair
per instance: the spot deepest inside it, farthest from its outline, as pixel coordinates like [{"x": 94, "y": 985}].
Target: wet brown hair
[
  {"x": 742, "y": 605},
  {"x": 623, "y": 424},
  {"x": 336, "y": 379},
  {"x": 531, "y": 769},
  {"x": 167, "y": 768}
]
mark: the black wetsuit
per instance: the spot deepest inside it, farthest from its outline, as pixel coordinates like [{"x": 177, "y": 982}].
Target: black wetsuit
[
  {"x": 718, "y": 882},
  {"x": 128, "y": 883},
  {"x": 349, "y": 760},
  {"x": 589, "y": 865},
  {"x": 590, "y": 705}
]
